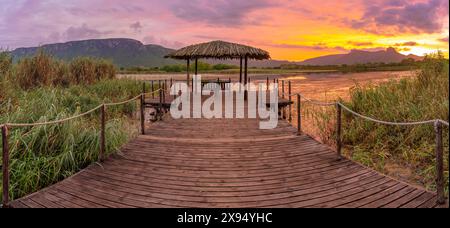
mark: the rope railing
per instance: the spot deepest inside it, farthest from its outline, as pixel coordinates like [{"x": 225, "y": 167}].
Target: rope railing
[
  {"x": 438, "y": 123},
  {"x": 6, "y": 126},
  {"x": 321, "y": 103}
]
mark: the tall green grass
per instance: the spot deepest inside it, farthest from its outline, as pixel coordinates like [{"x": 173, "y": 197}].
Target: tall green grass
[
  {"x": 43, "y": 155},
  {"x": 44, "y": 70},
  {"x": 409, "y": 149}
]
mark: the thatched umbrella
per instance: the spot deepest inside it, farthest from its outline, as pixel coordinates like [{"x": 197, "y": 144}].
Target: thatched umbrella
[{"x": 219, "y": 50}]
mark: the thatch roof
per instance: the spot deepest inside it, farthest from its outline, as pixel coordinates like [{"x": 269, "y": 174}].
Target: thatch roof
[{"x": 219, "y": 50}]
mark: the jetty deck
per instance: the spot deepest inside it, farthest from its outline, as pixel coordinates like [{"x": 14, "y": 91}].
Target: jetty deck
[{"x": 224, "y": 163}]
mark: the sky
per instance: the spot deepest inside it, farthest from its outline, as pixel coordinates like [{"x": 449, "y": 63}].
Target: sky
[{"x": 289, "y": 29}]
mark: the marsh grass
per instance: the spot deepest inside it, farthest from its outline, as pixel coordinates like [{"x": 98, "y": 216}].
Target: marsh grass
[
  {"x": 381, "y": 146},
  {"x": 44, "y": 70},
  {"x": 43, "y": 155}
]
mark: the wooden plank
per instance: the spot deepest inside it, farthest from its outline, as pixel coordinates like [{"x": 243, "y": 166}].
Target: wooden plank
[{"x": 226, "y": 163}]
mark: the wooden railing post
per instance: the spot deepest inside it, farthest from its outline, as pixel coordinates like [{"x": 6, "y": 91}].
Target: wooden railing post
[
  {"x": 299, "y": 115},
  {"x": 143, "y": 88},
  {"x": 290, "y": 100},
  {"x": 153, "y": 90},
  {"x": 160, "y": 104},
  {"x": 439, "y": 164},
  {"x": 338, "y": 130},
  {"x": 102, "y": 132},
  {"x": 5, "y": 166},
  {"x": 142, "y": 109},
  {"x": 282, "y": 96}
]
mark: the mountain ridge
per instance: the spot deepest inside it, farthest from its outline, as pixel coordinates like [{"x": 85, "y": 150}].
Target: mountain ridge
[{"x": 126, "y": 52}]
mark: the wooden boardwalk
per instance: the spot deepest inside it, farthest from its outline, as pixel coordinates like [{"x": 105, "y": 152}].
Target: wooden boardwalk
[{"x": 226, "y": 163}]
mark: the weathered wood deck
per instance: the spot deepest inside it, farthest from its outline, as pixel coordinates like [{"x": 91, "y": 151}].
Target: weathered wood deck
[{"x": 227, "y": 163}]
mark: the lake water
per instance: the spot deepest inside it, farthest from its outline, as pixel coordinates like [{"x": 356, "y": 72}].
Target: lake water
[{"x": 320, "y": 86}]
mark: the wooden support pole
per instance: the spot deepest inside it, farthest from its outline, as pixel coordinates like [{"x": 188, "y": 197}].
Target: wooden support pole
[
  {"x": 165, "y": 86},
  {"x": 196, "y": 66},
  {"x": 240, "y": 71},
  {"x": 160, "y": 104},
  {"x": 283, "y": 96},
  {"x": 153, "y": 90},
  {"x": 245, "y": 78},
  {"x": 267, "y": 83},
  {"x": 143, "y": 87},
  {"x": 290, "y": 100},
  {"x": 299, "y": 115},
  {"x": 440, "y": 184},
  {"x": 187, "y": 71},
  {"x": 142, "y": 109},
  {"x": 278, "y": 85},
  {"x": 338, "y": 130},
  {"x": 5, "y": 166},
  {"x": 102, "y": 132}
]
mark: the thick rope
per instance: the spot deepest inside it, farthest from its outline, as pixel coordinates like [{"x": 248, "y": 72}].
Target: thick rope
[
  {"x": 367, "y": 117},
  {"x": 387, "y": 122},
  {"x": 52, "y": 122},
  {"x": 289, "y": 95},
  {"x": 123, "y": 102},
  {"x": 70, "y": 118}
]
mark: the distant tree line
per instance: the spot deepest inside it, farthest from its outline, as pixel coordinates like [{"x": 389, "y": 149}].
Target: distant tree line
[
  {"x": 201, "y": 66},
  {"x": 404, "y": 64}
]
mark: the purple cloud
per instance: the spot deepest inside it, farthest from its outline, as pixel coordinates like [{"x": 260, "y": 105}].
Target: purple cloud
[
  {"x": 318, "y": 46},
  {"x": 445, "y": 39},
  {"x": 406, "y": 44},
  {"x": 136, "y": 27},
  {"x": 232, "y": 13},
  {"x": 357, "y": 43},
  {"x": 403, "y": 16},
  {"x": 84, "y": 32}
]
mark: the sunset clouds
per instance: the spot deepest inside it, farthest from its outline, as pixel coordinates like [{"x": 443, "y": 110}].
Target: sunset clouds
[{"x": 289, "y": 29}]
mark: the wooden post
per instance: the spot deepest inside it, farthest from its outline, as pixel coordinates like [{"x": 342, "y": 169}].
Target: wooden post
[
  {"x": 338, "y": 130},
  {"x": 5, "y": 166},
  {"x": 278, "y": 85},
  {"x": 142, "y": 114},
  {"x": 290, "y": 100},
  {"x": 196, "y": 66},
  {"x": 299, "y": 115},
  {"x": 143, "y": 87},
  {"x": 165, "y": 86},
  {"x": 240, "y": 71},
  {"x": 102, "y": 133},
  {"x": 440, "y": 184},
  {"x": 245, "y": 78},
  {"x": 282, "y": 96},
  {"x": 187, "y": 72},
  {"x": 267, "y": 83},
  {"x": 153, "y": 90},
  {"x": 160, "y": 104}
]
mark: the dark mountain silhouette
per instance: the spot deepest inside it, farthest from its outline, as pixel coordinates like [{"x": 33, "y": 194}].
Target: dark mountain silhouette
[
  {"x": 132, "y": 53},
  {"x": 122, "y": 52},
  {"x": 390, "y": 55}
]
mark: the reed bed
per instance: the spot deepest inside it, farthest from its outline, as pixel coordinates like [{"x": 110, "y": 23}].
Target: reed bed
[
  {"x": 43, "y": 155},
  {"x": 405, "y": 152}
]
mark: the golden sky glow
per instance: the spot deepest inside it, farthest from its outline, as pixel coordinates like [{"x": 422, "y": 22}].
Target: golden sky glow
[{"x": 288, "y": 29}]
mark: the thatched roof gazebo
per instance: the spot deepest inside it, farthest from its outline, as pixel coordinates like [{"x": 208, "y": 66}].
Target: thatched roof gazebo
[{"x": 219, "y": 50}]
